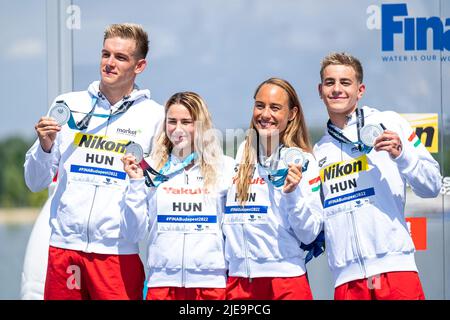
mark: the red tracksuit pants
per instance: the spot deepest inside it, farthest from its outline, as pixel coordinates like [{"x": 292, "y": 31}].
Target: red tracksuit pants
[
  {"x": 404, "y": 285},
  {"x": 178, "y": 293},
  {"x": 268, "y": 288},
  {"x": 77, "y": 275}
]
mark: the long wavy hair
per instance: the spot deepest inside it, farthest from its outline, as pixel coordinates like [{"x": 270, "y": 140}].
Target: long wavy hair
[
  {"x": 206, "y": 143},
  {"x": 295, "y": 135}
]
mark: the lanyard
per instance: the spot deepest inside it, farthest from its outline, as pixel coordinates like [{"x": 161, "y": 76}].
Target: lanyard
[
  {"x": 179, "y": 166},
  {"x": 163, "y": 174},
  {"x": 149, "y": 170},
  {"x": 84, "y": 123},
  {"x": 276, "y": 177},
  {"x": 337, "y": 134}
]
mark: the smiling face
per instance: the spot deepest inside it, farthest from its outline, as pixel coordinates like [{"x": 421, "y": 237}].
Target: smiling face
[
  {"x": 271, "y": 112},
  {"x": 340, "y": 90},
  {"x": 119, "y": 65},
  {"x": 180, "y": 128}
]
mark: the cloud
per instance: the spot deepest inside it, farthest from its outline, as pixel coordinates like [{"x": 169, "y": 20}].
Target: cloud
[{"x": 25, "y": 49}]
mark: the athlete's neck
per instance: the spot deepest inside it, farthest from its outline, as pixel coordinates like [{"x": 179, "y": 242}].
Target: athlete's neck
[
  {"x": 182, "y": 153},
  {"x": 340, "y": 120},
  {"x": 269, "y": 144},
  {"x": 114, "y": 95}
]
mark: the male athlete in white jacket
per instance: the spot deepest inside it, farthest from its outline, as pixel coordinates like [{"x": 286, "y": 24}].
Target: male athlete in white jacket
[
  {"x": 88, "y": 256},
  {"x": 367, "y": 158}
]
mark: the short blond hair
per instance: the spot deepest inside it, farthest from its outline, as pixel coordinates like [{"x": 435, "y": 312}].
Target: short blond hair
[
  {"x": 342, "y": 58},
  {"x": 130, "y": 31}
]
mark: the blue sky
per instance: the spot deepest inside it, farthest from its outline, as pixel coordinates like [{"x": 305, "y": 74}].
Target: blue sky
[{"x": 222, "y": 50}]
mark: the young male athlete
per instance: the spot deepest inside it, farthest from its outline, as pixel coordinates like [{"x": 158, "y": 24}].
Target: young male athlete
[
  {"x": 367, "y": 158},
  {"x": 88, "y": 256}
]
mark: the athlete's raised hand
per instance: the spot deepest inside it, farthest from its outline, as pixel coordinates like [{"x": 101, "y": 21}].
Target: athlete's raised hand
[
  {"x": 131, "y": 167},
  {"x": 46, "y": 129},
  {"x": 389, "y": 141},
  {"x": 293, "y": 178}
]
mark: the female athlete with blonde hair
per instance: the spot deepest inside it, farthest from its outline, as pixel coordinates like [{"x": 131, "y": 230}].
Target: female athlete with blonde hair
[{"x": 181, "y": 206}]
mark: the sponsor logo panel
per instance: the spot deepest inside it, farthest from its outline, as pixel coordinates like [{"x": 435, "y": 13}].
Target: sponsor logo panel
[{"x": 417, "y": 227}]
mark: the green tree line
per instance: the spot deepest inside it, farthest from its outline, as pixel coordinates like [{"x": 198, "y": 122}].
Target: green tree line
[{"x": 13, "y": 191}]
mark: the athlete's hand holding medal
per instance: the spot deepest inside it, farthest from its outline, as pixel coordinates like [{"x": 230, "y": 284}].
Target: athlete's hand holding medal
[
  {"x": 290, "y": 176},
  {"x": 60, "y": 114},
  {"x": 293, "y": 177},
  {"x": 134, "y": 154},
  {"x": 132, "y": 167},
  {"x": 136, "y": 167},
  {"x": 389, "y": 141},
  {"x": 370, "y": 136},
  {"x": 49, "y": 126},
  {"x": 294, "y": 160},
  {"x": 381, "y": 139}
]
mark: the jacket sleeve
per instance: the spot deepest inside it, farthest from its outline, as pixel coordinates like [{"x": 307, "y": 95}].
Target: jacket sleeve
[
  {"x": 303, "y": 205},
  {"x": 416, "y": 164},
  {"x": 139, "y": 205},
  {"x": 40, "y": 167}
]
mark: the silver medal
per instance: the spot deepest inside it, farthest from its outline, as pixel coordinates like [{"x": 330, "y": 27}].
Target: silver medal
[
  {"x": 293, "y": 155},
  {"x": 60, "y": 112},
  {"x": 369, "y": 133},
  {"x": 136, "y": 150}
]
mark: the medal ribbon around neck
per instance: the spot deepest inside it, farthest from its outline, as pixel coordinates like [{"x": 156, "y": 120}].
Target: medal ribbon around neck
[
  {"x": 84, "y": 123},
  {"x": 337, "y": 133},
  {"x": 165, "y": 172},
  {"x": 276, "y": 177}
]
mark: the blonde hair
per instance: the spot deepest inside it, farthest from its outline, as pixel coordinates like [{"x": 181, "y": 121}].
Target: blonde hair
[
  {"x": 130, "y": 31},
  {"x": 295, "y": 135},
  {"x": 342, "y": 58},
  {"x": 209, "y": 151}
]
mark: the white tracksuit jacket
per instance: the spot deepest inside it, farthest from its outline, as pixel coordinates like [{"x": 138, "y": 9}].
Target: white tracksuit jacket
[
  {"x": 183, "y": 250},
  {"x": 267, "y": 244},
  {"x": 85, "y": 210},
  {"x": 364, "y": 199}
]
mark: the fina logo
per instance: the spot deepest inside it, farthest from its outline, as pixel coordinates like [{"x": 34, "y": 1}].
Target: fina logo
[{"x": 393, "y": 21}]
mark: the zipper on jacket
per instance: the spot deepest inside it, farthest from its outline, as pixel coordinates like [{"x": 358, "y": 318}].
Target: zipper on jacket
[
  {"x": 183, "y": 278},
  {"x": 355, "y": 231},
  {"x": 95, "y": 192},
  {"x": 89, "y": 219},
  {"x": 358, "y": 248},
  {"x": 247, "y": 265}
]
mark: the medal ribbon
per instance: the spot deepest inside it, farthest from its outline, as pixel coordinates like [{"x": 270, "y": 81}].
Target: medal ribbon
[
  {"x": 84, "y": 123},
  {"x": 165, "y": 172},
  {"x": 337, "y": 134}
]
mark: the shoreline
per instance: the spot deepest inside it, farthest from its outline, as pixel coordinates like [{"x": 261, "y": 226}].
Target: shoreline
[{"x": 12, "y": 216}]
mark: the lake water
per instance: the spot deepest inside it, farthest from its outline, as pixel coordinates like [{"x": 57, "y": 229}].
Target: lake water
[{"x": 13, "y": 243}]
